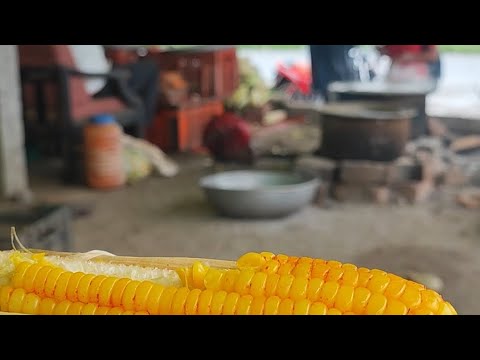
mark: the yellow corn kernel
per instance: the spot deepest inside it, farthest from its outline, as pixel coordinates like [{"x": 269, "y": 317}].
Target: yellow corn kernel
[
  {"x": 298, "y": 290},
  {"x": 228, "y": 281},
  {"x": 126, "y": 312},
  {"x": 153, "y": 299},
  {"x": 191, "y": 303},
  {"x": 281, "y": 258},
  {"x": 360, "y": 300},
  {"x": 335, "y": 274},
  {"x": 301, "y": 307},
  {"x": 60, "y": 292},
  {"x": 267, "y": 255},
  {"x": 319, "y": 270},
  {"x": 204, "y": 302},
  {"x": 128, "y": 295},
  {"x": 350, "y": 277},
  {"x": 411, "y": 297},
  {"x": 30, "y": 304},
  {"x": 165, "y": 303},
  {"x": 285, "y": 269},
  {"x": 286, "y": 307},
  {"x": 446, "y": 308},
  {"x": 305, "y": 260},
  {"x": 5, "y": 292},
  {"x": 363, "y": 278},
  {"x": 51, "y": 281},
  {"x": 395, "y": 307},
  {"x": 16, "y": 300},
  {"x": 257, "y": 305},
  {"x": 40, "y": 279},
  {"x": 271, "y": 267},
  {"x": 328, "y": 293},
  {"x": 259, "y": 282},
  {"x": 334, "y": 264},
  {"x": 251, "y": 260},
  {"x": 216, "y": 305},
  {"x": 116, "y": 311},
  {"x": 105, "y": 291},
  {"x": 61, "y": 308},
  {"x": 230, "y": 304},
  {"x": 141, "y": 313},
  {"x": 318, "y": 308},
  {"x": 430, "y": 300},
  {"x": 46, "y": 306},
  {"x": 19, "y": 274},
  {"x": 421, "y": 311},
  {"x": 94, "y": 288},
  {"x": 271, "y": 305},
  {"x": 117, "y": 292},
  {"x": 378, "y": 283},
  {"x": 244, "y": 279},
  {"x": 344, "y": 298},
  {"x": 334, "y": 311},
  {"x": 214, "y": 279},
  {"x": 284, "y": 284},
  {"x": 89, "y": 309},
  {"x": 29, "y": 277},
  {"x": 349, "y": 267},
  {"x": 314, "y": 288},
  {"x": 243, "y": 305},
  {"x": 395, "y": 288},
  {"x": 141, "y": 297},
  {"x": 75, "y": 308},
  {"x": 82, "y": 289},
  {"x": 103, "y": 310},
  {"x": 303, "y": 269},
  {"x": 199, "y": 271},
  {"x": 179, "y": 300},
  {"x": 271, "y": 285},
  {"x": 73, "y": 285},
  {"x": 376, "y": 305}
]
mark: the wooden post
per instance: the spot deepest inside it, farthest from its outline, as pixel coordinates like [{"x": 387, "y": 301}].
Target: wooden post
[{"x": 13, "y": 168}]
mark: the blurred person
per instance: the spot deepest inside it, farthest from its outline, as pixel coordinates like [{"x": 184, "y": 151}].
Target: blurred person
[
  {"x": 422, "y": 60},
  {"x": 143, "y": 75},
  {"x": 331, "y": 63}
]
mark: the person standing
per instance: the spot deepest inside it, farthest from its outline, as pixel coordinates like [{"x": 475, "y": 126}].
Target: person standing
[{"x": 331, "y": 63}]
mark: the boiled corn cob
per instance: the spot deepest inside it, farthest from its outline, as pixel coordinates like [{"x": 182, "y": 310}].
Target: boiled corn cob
[{"x": 39, "y": 279}]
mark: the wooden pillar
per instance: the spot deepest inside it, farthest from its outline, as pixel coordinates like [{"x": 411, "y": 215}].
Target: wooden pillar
[{"x": 13, "y": 169}]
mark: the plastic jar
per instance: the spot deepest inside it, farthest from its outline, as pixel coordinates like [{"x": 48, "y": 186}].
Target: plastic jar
[{"x": 104, "y": 153}]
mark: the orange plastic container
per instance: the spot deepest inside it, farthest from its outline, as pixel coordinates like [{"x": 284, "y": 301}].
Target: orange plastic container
[{"x": 104, "y": 164}]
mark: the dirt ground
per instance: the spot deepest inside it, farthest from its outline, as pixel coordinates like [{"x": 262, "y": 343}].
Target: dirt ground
[{"x": 170, "y": 217}]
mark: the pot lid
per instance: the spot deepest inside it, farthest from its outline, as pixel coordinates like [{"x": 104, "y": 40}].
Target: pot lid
[
  {"x": 381, "y": 88},
  {"x": 368, "y": 110}
]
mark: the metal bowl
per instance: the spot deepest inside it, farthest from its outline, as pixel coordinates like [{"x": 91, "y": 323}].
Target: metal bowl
[{"x": 259, "y": 194}]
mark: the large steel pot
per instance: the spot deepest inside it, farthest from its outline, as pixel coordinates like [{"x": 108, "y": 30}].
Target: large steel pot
[
  {"x": 259, "y": 194},
  {"x": 365, "y": 130}
]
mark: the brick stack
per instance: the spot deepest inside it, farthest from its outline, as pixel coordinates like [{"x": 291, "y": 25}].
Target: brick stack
[{"x": 412, "y": 177}]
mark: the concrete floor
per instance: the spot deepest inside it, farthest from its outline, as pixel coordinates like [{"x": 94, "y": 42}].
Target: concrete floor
[{"x": 170, "y": 217}]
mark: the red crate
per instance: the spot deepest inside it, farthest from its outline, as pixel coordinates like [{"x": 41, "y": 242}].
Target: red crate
[
  {"x": 211, "y": 71},
  {"x": 181, "y": 129}
]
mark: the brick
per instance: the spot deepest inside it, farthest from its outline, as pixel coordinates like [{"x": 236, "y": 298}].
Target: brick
[
  {"x": 361, "y": 193},
  {"x": 320, "y": 167},
  {"x": 364, "y": 172},
  {"x": 405, "y": 169},
  {"x": 380, "y": 195},
  {"x": 415, "y": 191}
]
